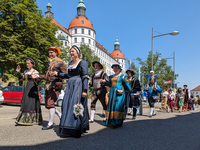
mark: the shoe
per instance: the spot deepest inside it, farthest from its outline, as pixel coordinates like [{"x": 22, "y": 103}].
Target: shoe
[
  {"x": 134, "y": 117},
  {"x": 90, "y": 121},
  {"x": 150, "y": 116},
  {"x": 48, "y": 127},
  {"x": 154, "y": 114}
]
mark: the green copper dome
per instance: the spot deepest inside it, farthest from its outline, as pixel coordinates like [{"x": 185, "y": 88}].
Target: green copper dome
[
  {"x": 81, "y": 4},
  {"x": 49, "y": 4},
  {"x": 116, "y": 41},
  {"x": 62, "y": 36}
]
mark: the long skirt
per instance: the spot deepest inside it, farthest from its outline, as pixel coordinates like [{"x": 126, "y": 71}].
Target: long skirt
[
  {"x": 30, "y": 112},
  {"x": 70, "y": 125},
  {"x": 115, "y": 109}
]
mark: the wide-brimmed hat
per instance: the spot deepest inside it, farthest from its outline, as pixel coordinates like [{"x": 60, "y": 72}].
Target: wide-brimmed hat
[
  {"x": 97, "y": 63},
  {"x": 57, "y": 49},
  {"x": 131, "y": 70},
  {"x": 116, "y": 65}
]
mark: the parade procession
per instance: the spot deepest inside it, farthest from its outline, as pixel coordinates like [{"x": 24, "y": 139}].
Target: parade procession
[{"x": 61, "y": 89}]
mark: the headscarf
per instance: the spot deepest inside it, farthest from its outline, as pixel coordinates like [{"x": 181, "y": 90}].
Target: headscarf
[{"x": 77, "y": 49}]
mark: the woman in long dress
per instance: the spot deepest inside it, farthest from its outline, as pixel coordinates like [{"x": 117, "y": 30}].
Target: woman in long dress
[
  {"x": 115, "y": 109},
  {"x": 30, "y": 112},
  {"x": 74, "y": 120}
]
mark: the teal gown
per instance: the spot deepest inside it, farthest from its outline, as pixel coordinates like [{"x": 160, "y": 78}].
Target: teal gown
[{"x": 115, "y": 109}]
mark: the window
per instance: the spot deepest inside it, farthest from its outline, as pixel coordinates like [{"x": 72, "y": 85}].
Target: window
[
  {"x": 89, "y": 41},
  {"x": 82, "y": 21},
  {"x": 82, "y": 31},
  {"x": 196, "y": 92},
  {"x": 18, "y": 88},
  {"x": 75, "y": 31},
  {"x": 83, "y": 41},
  {"x": 89, "y": 32},
  {"x": 7, "y": 89},
  {"x": 65, "y": 43},
  {"x": 75, "y": 40}
]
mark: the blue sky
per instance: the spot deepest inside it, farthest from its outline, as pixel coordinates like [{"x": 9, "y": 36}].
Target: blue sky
[{"x": 132, "y": 21}]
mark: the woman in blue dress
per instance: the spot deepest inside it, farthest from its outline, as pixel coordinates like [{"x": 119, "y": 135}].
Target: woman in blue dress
[
  {"x": 115, "y": 109},
  {"x": 74, "y": 119}
]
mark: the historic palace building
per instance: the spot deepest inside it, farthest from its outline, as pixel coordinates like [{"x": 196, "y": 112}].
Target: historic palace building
[{"x": 81, "y": 31}]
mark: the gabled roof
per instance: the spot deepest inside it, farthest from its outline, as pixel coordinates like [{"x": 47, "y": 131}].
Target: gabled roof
[
  {"x": 196, "y": 88},
  {"x": 61, "y": 27},
  {"x": 101, "y": 47}
]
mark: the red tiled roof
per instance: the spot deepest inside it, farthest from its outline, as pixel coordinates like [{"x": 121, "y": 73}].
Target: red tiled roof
[
  {"x": 101, "y": 47},
  {"x": 61, "y": 27},
  {"x": 81, "y": 21},
  {"x": 196, "y": 88}
]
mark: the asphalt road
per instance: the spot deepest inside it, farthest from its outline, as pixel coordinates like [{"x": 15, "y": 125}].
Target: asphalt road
[{"x": 165, "y": 131}]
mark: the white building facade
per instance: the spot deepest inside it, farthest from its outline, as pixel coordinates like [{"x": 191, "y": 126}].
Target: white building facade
[{"x": 81, "y": 31}]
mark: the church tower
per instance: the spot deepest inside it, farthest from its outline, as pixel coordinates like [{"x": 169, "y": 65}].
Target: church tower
[{"x": 49, "y": 13}]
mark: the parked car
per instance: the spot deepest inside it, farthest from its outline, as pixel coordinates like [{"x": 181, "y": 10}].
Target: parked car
[
  {"x": 58, "y": 102},
  {"x": 14, "y": 94}
]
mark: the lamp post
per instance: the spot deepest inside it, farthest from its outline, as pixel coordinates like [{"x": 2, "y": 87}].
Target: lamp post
[
  {"x": 172, "y": 33},
  {"x": 173, "y": 64}
]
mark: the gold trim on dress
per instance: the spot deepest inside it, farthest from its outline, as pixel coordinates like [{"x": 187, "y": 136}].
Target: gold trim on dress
[{"x": 115, "y": 115}]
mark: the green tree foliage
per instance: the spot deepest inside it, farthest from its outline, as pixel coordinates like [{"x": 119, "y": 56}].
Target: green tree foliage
[
  {"x": 65, "y": 55},
  {"x": 24, "y": 33},
  {"x": 89, "y": 56},
  {"x": 166, "y": 71}
]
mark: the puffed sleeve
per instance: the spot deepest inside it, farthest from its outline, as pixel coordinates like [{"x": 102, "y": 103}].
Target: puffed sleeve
[
  {"x": 159, "y": 90},
  {"x": 126, "y": 84},
  {"x": 109, "y": 82},
  {"x": 137, "y": 86},
  {"x": 84, "y": 75},
  {"x": 145, "y": 88},
  {"x": 105, "y": 77},
  {"x": 63, "y": 68}
]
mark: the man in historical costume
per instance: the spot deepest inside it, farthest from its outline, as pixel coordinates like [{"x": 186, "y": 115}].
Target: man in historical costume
[
  {"x": 53, "y": 84},
  {"x": 133, "y": 104},
  {"x": 187, "y": 97},
  {"x": 152, "y": 90},
  {"x": 99, "y": 91}
]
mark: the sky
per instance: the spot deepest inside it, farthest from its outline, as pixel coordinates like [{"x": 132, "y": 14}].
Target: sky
[{"x": 132, "y": 21}]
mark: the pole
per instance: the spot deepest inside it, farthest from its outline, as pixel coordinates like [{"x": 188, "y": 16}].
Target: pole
[
  {"x": 152, "y": 49},
  {"x": 135, "y": 71},
  {"x": 139, "y": 72},
  {"x": 174, "y": 68}
]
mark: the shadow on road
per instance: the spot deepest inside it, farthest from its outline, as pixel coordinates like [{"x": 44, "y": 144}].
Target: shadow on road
[{"x": 181, "y": 133}]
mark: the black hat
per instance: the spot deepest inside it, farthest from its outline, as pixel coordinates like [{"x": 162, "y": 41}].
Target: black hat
[
  {"x": 116, "y": 65},
  {"x": 131, "y": 70},
  {"x": 98, "y": 63}
]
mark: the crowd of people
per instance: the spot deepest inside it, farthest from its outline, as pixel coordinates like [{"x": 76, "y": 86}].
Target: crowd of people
[
  {"x": 124, "y": 93},
  {"x": 182, "y": 100}
]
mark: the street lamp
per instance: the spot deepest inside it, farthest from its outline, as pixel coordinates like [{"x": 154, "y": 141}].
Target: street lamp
[
  {"x": 172, "y": 33},
  {"x": 173, "y": 63}
]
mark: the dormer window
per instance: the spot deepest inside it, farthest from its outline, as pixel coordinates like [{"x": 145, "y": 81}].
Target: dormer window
[{"x": 82, "y": 21}]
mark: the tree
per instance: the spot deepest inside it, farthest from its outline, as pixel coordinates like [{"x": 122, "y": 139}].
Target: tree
[
  {"x": 65, "y": 55},
  {"x": 24, "y": 33},
  {"x": 89, "y": 56},
  {"x": 166, "y": 71}
]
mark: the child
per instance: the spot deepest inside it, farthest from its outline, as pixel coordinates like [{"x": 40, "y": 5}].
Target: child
[
  {"x": 170, "y": 100},
  {"x": 152, "y": 75},
  {"x": 192, "y": 101}
]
